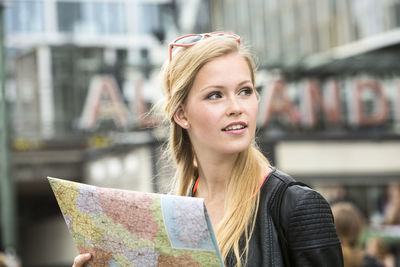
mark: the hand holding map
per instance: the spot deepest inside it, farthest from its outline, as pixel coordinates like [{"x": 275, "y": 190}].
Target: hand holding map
[{"x": 129, "y": 228}]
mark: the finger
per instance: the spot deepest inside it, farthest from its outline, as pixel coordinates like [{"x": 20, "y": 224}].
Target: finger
[{"x": 81, "y": 259}]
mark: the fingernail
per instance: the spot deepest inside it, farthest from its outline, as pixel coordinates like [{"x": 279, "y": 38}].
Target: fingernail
[{"x": 87, "y": 256}]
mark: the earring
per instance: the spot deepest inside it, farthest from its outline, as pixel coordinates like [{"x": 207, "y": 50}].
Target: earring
[{"x": 185, "y": 123}]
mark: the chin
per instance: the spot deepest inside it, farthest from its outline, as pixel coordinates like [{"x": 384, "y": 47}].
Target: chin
[{"x": 235, "y": 148}]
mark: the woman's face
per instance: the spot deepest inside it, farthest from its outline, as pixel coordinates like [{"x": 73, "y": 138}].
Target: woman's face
[{"x": 221, "y": 108}]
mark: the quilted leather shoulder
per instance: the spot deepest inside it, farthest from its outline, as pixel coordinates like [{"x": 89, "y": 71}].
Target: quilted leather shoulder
[{"x": 308, "y": 219}]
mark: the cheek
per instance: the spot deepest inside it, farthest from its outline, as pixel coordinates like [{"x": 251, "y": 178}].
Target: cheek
[
  {"x": 207, "y": 118},
  {"x": 203, "y": 118},
  {"x": 253, "y": 109}
]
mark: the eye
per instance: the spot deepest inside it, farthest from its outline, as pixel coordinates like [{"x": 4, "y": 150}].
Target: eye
[
  {"x": 246, "y": 91},
  {"x": 214, "y": 95}
]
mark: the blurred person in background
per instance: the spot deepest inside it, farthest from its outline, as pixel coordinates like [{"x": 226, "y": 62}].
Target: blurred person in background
[
  {"x": 3, "y": 260},
  {"x": 9, "y": 260},
  {"x": 377, "y": 248},
  {"x": 349, "y": 223},
  {"x": 212, "y": 106},
  {"x": 388, "y": 212},
  {"x": 334, "y": 194},
  {"x": 392, "y": 208}
]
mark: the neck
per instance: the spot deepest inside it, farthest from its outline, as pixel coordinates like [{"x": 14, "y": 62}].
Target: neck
[{"x": 214, "y": 175}]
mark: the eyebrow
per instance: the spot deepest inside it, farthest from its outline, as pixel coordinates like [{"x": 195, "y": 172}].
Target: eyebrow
[{"x": 221, "y": 86}]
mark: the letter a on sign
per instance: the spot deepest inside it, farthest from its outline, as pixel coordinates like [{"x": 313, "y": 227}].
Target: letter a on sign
[
  {"x": 103, "y": 101},
  {"x": 277, "y": 102}
]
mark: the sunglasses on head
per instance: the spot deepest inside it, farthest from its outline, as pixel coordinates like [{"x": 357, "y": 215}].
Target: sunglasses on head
[{"x": 192, "y": 39}]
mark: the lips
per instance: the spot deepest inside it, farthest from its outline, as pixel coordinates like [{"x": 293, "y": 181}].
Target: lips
[{"x": 235, "y": 126}]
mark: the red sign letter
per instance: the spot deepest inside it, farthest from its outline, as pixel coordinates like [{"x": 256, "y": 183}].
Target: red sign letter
[
  {"x": 103, "y": 101},
  {"x": 331, "y": 109},
  {"x": 379, "y": 113},
  {"x": 278, "y": 103}
]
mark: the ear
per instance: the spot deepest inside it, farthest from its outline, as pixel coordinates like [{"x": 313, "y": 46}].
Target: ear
[{"x": 180, "y": 118}]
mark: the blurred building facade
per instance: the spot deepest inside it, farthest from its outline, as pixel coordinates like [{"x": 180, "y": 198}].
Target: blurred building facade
[
  {"x": 83, "y": 74},
  {"x": 334, "y": 65},
  {"x": 312, "y": 35},
  {"x": 330, "y": 91}
]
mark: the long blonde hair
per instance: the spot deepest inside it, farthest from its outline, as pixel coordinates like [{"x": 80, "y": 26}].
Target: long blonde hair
[{"x": 242, "y": 196}]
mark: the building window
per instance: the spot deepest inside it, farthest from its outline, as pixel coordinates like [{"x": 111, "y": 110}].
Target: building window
[
  {"x": 24, "y": 17},
  {"x": 91, "y": 17},
  {"x": 396, "y": 10},
  {"x": 148, "y": 17}
]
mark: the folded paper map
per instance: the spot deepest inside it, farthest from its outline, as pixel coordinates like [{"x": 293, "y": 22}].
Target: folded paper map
[{"x": 129, "y": 228}]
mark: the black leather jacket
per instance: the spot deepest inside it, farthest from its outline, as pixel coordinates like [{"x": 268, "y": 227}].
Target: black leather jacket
[{"x": 308, "y": 225}]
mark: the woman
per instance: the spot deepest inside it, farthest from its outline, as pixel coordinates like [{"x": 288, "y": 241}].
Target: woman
[{"x": 212, "y": 106}]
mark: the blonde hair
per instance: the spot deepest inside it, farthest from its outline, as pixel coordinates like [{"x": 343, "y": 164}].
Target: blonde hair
[
  {"x": 242, "y": 196},
  {"x": 349, "y": 223}
]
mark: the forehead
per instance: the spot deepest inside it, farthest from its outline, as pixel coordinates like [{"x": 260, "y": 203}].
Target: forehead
[{"x": 228, "y": 69}]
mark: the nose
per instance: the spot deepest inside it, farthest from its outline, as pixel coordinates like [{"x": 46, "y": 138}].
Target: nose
[{"x": 234, "y": 107}]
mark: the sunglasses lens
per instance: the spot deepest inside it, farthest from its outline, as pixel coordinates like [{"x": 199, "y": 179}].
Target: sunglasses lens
[
  {"x": 190, "y": 39},
  {"x": 224, "y": 35}
]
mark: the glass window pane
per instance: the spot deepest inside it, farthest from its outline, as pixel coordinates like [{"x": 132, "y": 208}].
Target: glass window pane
[
  {"x": 148, "y": 18},
  {"x": 24, "y": 17},
  {"x": 91, "y": 17}
]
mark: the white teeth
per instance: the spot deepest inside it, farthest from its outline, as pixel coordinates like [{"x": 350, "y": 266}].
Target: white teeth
[{"x": 234, "y": 127}]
